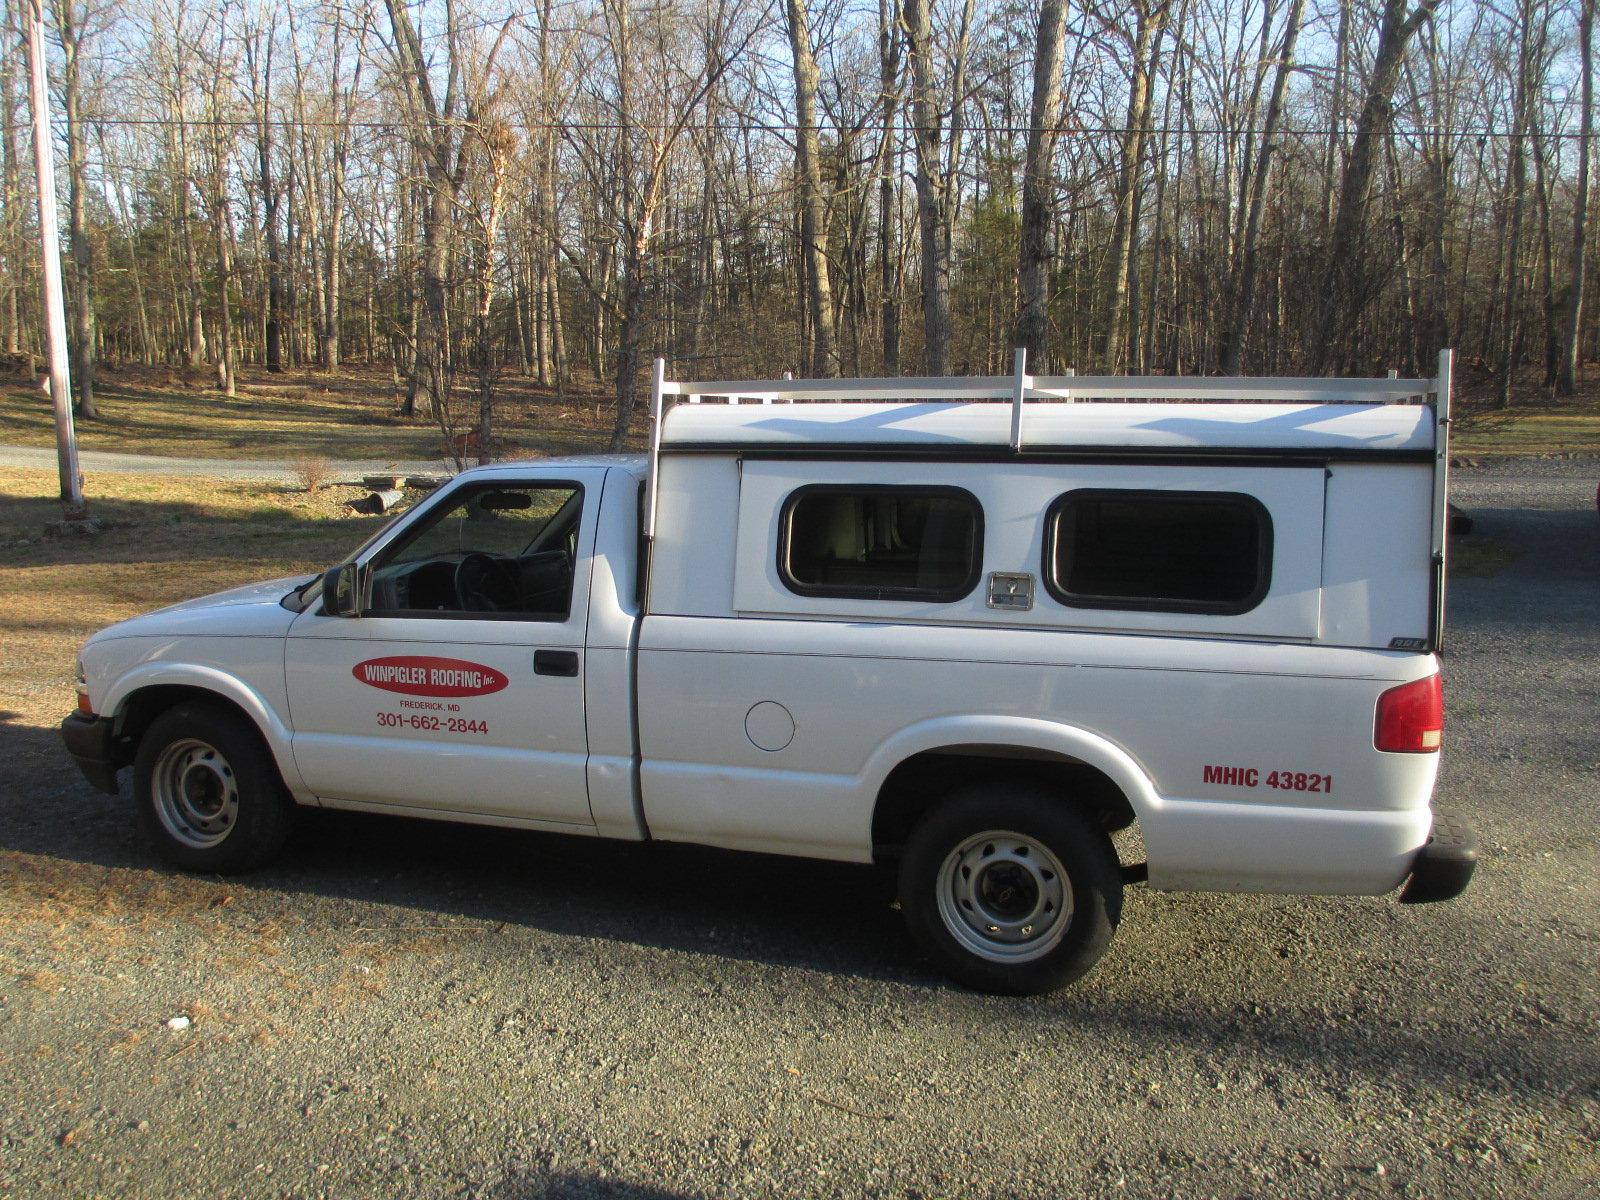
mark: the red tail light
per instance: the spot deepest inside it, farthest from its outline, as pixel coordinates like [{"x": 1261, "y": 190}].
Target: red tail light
[{"x": 1411, "y": 717}]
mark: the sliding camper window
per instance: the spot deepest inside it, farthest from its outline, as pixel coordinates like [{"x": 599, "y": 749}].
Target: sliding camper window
[
  {"x": 1157, "y": 551},
  {"x": 880, "y": 543}
]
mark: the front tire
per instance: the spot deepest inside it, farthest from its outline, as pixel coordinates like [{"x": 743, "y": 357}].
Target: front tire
[
  {"x": 1011, "y": 889},
  {"x": 208, "y": 794}
]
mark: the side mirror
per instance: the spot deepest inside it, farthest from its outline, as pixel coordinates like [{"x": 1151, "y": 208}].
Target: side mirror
[{"x": 341, "y": 591}]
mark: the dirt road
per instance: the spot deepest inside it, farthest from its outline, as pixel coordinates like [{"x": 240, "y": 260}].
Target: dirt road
[{"x": 266, "y": 470}]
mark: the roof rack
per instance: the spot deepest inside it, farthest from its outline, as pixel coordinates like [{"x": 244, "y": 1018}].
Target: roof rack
[{"x": 1020, "y": 388}]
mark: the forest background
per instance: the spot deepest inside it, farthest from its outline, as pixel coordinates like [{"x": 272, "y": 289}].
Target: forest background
[{"x": 455, "y": 201}]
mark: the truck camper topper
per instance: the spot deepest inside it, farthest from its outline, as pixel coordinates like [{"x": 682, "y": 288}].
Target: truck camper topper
[{"x": 1109, "y": 417}]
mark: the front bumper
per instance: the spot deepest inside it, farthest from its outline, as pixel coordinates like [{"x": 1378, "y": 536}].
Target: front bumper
[
  {"x": 90, "y": 742},
  {"x": 1444, "y": 866}
]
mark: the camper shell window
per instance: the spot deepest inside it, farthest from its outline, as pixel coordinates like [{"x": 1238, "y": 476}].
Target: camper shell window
[
  {"x": 1158, "y": 551},
  {"x": 881, "y": 543}
]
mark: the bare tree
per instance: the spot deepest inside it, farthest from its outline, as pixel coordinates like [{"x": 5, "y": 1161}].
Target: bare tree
[
  {"x": 219, "y": 144},
  {"x": 72, "y": 17},
  {"x": 1572, "y": 313},
  {"x": 888, "y": 191},
  {"x": 1038, "y": 182},
  {"x": 813, "y": 205},
  {"x": 1507, "y": 323},
  {"x": 1341, "y": 296},
  {"x": 656, "y": 92},
  {"x": 1150, "y": 18},
  {"x": 259, "y": 45},
  {"x": 936, "y": 167},
  {"x": 344, "y": 85},
  {"x": 10, "y": 186},
  {"x": 1243, "y": 292},
  {"x": 435, "y": 124}
]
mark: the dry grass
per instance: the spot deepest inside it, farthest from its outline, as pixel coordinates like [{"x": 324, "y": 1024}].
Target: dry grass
[
  {"x": 294, "y": 415},
  {"x": 165, "y": 540},
  {"x": 1536, "y": 423}
]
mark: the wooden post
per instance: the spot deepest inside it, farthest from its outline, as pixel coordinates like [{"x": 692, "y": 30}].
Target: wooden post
[{"x": 55, "y": 315}]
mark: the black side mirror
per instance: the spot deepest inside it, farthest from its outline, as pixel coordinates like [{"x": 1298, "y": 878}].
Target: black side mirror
[{"x": 341, "y": 591}]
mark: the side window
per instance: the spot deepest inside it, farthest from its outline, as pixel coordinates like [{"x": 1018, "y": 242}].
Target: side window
[
  {"x": 493, "y": 550},
  {"x": 1208, "y": 552},
  {"x": 881, "y": 543}
]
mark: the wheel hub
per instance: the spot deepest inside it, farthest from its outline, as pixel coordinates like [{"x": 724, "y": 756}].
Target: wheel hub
[
  {"x": 1005, "y": 896},
  {"x": 196, "y": 794}
]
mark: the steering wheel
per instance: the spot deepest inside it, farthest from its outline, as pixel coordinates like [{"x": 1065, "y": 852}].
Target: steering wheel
[{"x": 486, "y": 584}]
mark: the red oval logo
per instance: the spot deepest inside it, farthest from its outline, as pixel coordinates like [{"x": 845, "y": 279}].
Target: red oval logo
[{"x": 424, "y": 675}]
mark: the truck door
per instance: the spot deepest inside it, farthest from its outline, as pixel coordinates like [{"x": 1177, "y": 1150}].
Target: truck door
[{"x": 459, "y": 687}]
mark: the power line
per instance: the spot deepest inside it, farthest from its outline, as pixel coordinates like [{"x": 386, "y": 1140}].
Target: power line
[{"x": 778, "y": 126}]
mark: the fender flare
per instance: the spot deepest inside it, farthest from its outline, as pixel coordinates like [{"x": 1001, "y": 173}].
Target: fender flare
[
  {"x": 1028, "y": 733},
  {"x": 209, "y": 679}
]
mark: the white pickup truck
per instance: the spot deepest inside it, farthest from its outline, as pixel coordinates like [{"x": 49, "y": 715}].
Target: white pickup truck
[{"x": 973, "y": 627}]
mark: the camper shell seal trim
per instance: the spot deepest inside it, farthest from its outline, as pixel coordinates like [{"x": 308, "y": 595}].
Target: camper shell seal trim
[{"x": 1152, "y": 455}]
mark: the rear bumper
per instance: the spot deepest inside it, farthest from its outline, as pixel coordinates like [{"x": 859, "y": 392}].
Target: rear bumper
[
  {"x": 1443, "y": 867},
  {"x": 89, "y": 741}
]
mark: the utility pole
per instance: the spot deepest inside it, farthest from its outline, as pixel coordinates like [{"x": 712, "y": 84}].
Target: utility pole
[{"x": 55, "y": 313}]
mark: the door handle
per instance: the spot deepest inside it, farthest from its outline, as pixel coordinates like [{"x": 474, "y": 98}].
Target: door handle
[{"x": 555, "y": 662}]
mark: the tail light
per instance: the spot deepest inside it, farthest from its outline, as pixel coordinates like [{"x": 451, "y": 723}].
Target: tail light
[{"x": 1411, "y": 717}]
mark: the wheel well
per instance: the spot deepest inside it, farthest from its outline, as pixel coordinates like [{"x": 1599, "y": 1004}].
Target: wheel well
[
  {"x": 916, "y": 784},
  {"x": 146, "y": 704}
]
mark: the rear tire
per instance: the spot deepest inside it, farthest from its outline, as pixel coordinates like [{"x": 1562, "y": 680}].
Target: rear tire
[
  {"x": 208, "y": 793},
  {"x": 1010, "y": 888}
]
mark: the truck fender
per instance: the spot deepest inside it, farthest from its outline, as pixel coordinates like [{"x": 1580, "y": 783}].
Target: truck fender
[
  {"x": 1026, "y": 733},
  {"x": 209, "y": 679}
]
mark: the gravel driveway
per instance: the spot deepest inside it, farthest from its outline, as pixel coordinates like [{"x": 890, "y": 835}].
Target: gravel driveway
[{"x": 404, "y": 1009}]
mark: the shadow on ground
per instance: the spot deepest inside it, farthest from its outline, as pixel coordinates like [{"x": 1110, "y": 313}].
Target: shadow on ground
[
  {"x": 562, "y": 1185},
  {"x": 829, "y": 918}
]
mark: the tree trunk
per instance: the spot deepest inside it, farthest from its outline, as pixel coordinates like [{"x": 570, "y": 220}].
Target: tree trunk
[
  {"x": 226, "y": 354},
  {"x": 497, "y": 148},
  {"x": 1244, "y": 290},
  {"x": 10, "y": 231},
  {"x": 1038, "y": 184},
  {"x": 1114, "y": 347},
  {"x": 331, "y": 268},
  {"x": 258, "y": 49},
  {"x": 930, "y": 187},
  {"x": 1506, "y": 322},
  {"x": 628, "y": 339},
  {"x": 1543, "y": 185},
  {"x": 813, "y": 208},
  {"x": 69, "y": 24},
  {"x": 1572, "y": 313},
  {"x": 888, "y": 192}
]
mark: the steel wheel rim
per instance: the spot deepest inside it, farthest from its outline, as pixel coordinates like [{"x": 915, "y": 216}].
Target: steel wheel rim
[
  {"x": 1005, "y": 896},
  {"x": 196, "y": 793}
]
